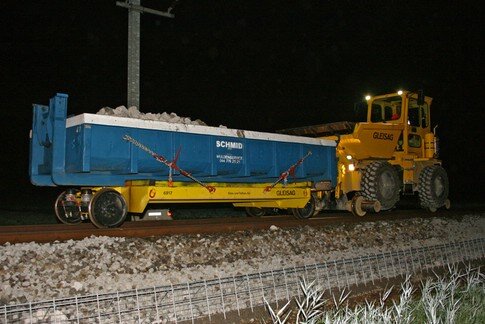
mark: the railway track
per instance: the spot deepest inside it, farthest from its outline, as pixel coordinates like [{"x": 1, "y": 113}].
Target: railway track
[{"x": 61, "y": 232}]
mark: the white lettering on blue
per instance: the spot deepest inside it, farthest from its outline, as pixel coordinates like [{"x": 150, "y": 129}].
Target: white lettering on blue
[{"x": 229, "y": 145}]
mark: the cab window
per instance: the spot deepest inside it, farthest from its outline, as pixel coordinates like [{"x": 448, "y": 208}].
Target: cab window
[
  {"x": 418, "y": 116},
  {"x": 387, "y": 113},
  {"x": 414, "y": 140},
  {"x": 424, "y": 117},
  {"x": 386, "y": 109},
  {"x": 376, "y": 115},
  {"x": 414, "y": 117}
]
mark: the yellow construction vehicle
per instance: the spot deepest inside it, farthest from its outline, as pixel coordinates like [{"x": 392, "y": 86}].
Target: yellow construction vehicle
[{"x": 394, "y": 152}]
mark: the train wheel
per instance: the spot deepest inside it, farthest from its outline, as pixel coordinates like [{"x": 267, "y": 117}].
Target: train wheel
[
  {"x": 107, "y": 208},
  {"x": 255, "y": 211},
  {"x": 433, "y": 187},
  {"x": 356, "y": 204},
  {"x": 67, "y": 207},
  {"x": 381, "y": 182},
  {"x": 307, "y": 211}
]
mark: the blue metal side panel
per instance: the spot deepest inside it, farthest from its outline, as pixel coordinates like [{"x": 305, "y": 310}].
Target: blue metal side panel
[
  {"x": 207, "y": 157},
  {"x": 41, "y": 146},
  {"x": 97, "y": 155},
  {"x": 258, "y": 159}
]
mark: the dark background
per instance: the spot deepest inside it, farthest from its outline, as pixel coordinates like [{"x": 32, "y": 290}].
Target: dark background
[{"x": 259, "y": 65}]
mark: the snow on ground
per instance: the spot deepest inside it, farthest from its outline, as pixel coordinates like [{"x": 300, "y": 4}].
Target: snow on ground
[{"x": 33, "y": 272}]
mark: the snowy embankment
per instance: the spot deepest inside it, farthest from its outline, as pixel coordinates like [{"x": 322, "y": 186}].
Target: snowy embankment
[{"x": 34, "y": 271}]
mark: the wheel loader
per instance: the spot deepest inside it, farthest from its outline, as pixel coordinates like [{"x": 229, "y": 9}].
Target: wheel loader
[{"x": 393, "y": 153}]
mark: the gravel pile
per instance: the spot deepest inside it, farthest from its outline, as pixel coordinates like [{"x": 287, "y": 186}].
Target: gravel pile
[
  {"x": 133, "y": 112},
  {"x": 34, "y": 271}
]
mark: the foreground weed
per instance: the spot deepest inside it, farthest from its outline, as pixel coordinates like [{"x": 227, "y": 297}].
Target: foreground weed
[{"x": 456, "y": 297}]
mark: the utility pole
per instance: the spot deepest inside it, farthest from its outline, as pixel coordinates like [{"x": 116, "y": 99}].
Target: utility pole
[{"x": 134, "y": 10}]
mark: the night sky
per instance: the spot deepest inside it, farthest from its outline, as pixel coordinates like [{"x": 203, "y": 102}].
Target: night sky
[{"x": 259, "y": 65}]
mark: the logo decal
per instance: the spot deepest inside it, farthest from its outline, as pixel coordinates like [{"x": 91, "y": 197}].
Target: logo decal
[
  {"x": 285, "y": 192},
  {"x": 229, "y": 145},
  {"x": 383, "y": 136},
  {"x": 152, "y": 193}
]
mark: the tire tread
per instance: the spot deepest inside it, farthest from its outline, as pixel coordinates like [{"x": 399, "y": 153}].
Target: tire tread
[
  {"x": 425, "y": 189},
  {"x": 369, "y": 184}
]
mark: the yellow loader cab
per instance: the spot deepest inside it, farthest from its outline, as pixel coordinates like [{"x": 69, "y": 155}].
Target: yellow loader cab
[{"x": 394, "y": 152}]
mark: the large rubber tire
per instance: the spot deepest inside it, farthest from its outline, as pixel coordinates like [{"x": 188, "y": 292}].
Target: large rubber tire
[
  {"x": 107, "y": 208},
  {"x": 380, "y": 181},
  {"x": 307, "y": 211},
  {"x": 255, "y": 211},
  {"x": 433, "y": 187}
]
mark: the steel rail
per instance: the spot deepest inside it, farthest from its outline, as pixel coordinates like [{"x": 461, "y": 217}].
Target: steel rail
[{"x": 61, "y": 232}]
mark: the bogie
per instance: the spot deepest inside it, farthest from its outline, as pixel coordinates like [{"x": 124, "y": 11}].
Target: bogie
[
  {"x": 108, "y": 208},
  {"x": 67, "y": 207},
  {"x": 306, "y": 212},
  {"x": 255, "y": 211}
]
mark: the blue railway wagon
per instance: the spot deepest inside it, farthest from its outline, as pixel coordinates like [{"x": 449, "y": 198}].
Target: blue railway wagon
[{"x": 90, "y": 150}]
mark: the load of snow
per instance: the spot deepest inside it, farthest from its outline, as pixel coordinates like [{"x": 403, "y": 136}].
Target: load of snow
[{"x": 134, "y": 112}]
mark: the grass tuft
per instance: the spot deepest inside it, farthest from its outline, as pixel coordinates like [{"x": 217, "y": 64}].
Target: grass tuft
[{"x": 456, "y": 297}]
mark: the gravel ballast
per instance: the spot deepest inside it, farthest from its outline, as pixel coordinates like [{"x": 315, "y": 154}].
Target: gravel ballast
[
  {"x": 134, "y": 112},
  {"x": 32, "y": 272}
]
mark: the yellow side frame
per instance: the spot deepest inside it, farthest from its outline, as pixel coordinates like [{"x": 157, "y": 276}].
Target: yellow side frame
[{"x": 138, "y": 194}]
